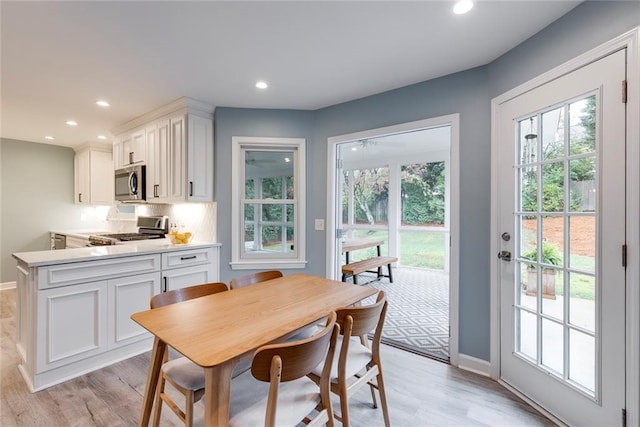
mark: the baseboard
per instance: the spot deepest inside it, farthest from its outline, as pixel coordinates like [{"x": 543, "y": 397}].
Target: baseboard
[
  {"x": 7, "y": 285},
  {"x": 473, "y": 364}
]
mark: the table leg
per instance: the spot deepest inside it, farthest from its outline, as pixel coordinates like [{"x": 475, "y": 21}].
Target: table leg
[
  {"x": 157, "y": 354},
  {"x": 217, "y": 386}
]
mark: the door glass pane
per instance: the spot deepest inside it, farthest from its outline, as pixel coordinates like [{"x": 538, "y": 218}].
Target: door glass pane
[
  {"x": 582, "y": 360},
  {"x": 582, "y": 118},
  {"x": 553, "y": 240},
  {"x": 553, "y": 187},
  {"x": 582, "y": 175},
  {"x": 529, "y": 286},
  {"x": 582, "y": 243},
  {"x": 555, "y": 286},
  {"x": 529, "y": 189},
  {"x": 528, "y": 134},
  {"x": 553, "y": 134},
  {"x": 527, "y": 334},
  {"x": 529, "y": 236},
  {"x": 552, "y": 346},
  {"x": 552, "y": 293},
  {"x": 371, "y": 195},
  {"x": 423, "y": 194},
  {"x": 582, "y": 307}
]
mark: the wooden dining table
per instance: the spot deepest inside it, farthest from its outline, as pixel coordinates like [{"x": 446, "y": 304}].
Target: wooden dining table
[{"x": 216, "y": 331}]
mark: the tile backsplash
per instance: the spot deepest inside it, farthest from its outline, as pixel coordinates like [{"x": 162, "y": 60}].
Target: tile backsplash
[{"x": 198, "y": 218}]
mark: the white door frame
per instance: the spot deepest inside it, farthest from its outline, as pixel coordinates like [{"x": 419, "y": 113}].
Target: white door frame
[
  {"x": 629, "y": 40},
  {"x": 452, "y": 120}
]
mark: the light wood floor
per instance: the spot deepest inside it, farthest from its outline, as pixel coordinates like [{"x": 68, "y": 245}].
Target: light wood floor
[{"x": 421, "y": 392}]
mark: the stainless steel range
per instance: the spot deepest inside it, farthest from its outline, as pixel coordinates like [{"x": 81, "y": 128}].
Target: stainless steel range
[{"x": 149, "y": 227}]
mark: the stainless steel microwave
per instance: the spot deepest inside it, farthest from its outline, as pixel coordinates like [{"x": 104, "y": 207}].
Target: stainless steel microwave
[{"x": 130, "y": 183}]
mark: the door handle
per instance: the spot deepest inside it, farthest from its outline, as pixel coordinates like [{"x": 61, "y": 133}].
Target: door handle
[{"x": 504, "y": 255}]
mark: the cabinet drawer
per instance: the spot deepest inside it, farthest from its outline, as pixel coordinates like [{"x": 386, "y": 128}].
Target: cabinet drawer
[
  {"x": 89, "y": 271},
  {"x": 186, "y": 258}
]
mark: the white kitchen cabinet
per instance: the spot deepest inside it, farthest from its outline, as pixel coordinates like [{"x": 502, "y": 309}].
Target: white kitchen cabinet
[
  {"x": 191, "y": 159},
  {"x": 158, "y": 155},
  {"x": 73, "y": 313},
  {"x": 179, "y": 151},
  {"x": 189, "y": 267},
  {"x": 72, "y": 324},
  {"x": 134, "y": 148},
  {"x": 93, "y": 176},
  {"x": 128, "y": 295}
]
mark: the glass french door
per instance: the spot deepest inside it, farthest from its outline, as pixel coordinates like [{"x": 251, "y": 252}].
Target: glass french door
[{"x": 562, "y": 225}]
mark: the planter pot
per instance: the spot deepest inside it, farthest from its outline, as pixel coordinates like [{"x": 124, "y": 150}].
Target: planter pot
[{"x": 548, "y": 283}]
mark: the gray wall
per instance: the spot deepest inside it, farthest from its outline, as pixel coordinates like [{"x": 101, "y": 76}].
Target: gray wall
[
  {"x": 585, "y": 27},
  {"x": 230, "y": 122},
  {"x": 37, "y": 196}
]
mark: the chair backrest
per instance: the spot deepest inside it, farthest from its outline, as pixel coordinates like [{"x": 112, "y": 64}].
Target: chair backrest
[
  {"x": 184, "y": 294},
  {"x": 360, "y": 320},
  {"x": 297, "y": 358},
  {"x": 250, "y": 279}
]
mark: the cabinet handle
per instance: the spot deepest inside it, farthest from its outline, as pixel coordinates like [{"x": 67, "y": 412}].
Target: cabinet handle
[
  {"x": 190, "y": 188},
  {"x": 130, "y": 157},
  {"x": 79, "y": 197},
  {"x": 155, "y": 190},
  {"x": 184, "y": 258},
  {"x": 164, "y": 284}
]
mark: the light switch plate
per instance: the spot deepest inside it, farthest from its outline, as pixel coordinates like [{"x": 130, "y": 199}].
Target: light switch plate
[{"x": 319, "y": 224}]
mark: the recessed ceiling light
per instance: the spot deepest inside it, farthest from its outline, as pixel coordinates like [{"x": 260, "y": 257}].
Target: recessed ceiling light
[
  {"x": 102, "y": 137},
  {"x": 102, "y": 103},
  {"x": 49, "y": 137},
  {"x": 462, "y": 6},
  {"x": 262, "y": 85},
  {"x": 72, "y": 123},
  {"x": 354, "y": 148}
]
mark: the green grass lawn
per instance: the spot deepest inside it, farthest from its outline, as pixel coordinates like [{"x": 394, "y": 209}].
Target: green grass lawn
[{"x": 417, "y": 248}]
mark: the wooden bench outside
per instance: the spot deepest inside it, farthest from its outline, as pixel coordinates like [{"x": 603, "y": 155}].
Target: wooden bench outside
[{"x": 368, "y": 265}]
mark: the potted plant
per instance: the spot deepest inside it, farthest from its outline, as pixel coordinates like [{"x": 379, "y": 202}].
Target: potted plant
[{"x": 550, "y": 255}]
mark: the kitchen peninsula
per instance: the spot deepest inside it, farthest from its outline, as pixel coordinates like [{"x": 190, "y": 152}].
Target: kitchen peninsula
[{"x": 74, "y": 305}]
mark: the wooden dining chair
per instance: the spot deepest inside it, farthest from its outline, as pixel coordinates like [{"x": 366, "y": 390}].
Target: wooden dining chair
[
  {"x": 250, "y": 279},
  {"x": 292, "y": 397},
  {"x": 184, "y": 375},
  {"x": 357, "y": 363}
]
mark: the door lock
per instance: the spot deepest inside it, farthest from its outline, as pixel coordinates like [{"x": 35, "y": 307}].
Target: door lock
[{"x": 504, "y": 255}]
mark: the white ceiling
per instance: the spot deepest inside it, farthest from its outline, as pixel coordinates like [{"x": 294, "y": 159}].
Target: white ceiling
[{"x": 58, "y": 58}]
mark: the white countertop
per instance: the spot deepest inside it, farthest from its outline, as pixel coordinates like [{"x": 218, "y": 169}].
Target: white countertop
[
  {"x": 64, "y": 256},
  {"x": 81, "y": 234}
]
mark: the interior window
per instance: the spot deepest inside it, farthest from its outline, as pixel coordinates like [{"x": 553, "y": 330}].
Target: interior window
[{"x": 268, "y": 202}]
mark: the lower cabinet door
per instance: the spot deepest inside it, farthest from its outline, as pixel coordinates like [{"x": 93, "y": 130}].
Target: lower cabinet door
[
  {"x": 128, "y": 295},
  {"x": 71, "y": 324},
  {"x": 179, "y": 278}
]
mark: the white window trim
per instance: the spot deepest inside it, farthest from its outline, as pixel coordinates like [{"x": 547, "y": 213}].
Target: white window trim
[{"x": 237, "y": 190}]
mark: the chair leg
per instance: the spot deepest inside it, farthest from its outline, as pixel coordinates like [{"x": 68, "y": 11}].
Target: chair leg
[
  {"x": 344, "y": 404},
  {"x": 373, "y": 396},
  {"x": 159, "y": 391},
  {"x": 188, "y": 410},
  {"x": 383, "y": 397}
]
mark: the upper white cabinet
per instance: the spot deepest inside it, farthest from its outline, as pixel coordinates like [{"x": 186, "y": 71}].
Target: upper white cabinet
[
  {"x": 130, "y": 148},
  {"x": 93, "y": 175},
  {"x": 158, "y": 162},
  {"x": 178, "y": 151}
]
